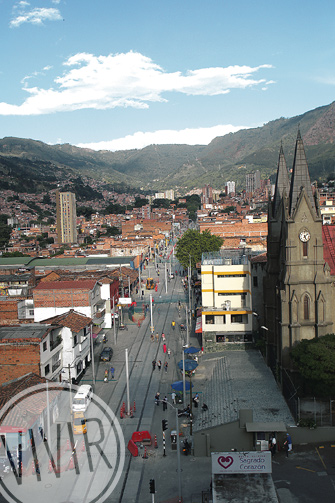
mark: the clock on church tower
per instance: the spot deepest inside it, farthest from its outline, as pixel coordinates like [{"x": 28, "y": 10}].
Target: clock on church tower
[{"x": 304, "y": 236}]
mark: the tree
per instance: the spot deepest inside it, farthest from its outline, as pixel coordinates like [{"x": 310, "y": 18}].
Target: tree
[
  {"x": 193, "y": 244},
  {"x": 315, "y": 361},
  {"x": 5, "y": 231}
]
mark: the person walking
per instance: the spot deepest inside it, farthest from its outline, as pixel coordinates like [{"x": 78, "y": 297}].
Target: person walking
[
  {"x": 157, "y": 337},
  {"x": 288, "y": 444},
  {"x": 112, "y": 372},
  {"x": 153, "y": 364},
  {"x": 166, "y": 367},
  {"x": 164, "y": 348},
  {"x": 157, "y": 398},
  {"x": 273, "y": 444},
  {"x": 164, "y": 403},
  {"x": 169, "y": 352},
  {"x": 163, "y": 337},
  {"x": 152, "y": 337},
  {"x": 159, "y": 364},
  {"x": 173, "y": 396},
  {"x": 173, "y": 324}
]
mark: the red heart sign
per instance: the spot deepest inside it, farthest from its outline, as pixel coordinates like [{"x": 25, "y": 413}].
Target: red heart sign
[{"x": 225, "y": 462}]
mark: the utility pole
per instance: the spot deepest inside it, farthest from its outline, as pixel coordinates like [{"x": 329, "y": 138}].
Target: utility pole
[
  {"x": 127, "y": 377},
  {"x": 151, "y": 320}
]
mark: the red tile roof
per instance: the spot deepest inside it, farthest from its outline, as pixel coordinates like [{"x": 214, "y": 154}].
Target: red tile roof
[
  {"x": 72, "y": 320},
  {"x": 328, "y": 237}
]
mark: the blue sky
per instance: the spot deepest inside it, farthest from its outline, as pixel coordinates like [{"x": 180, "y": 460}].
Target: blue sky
[{"x": 124, "y": 74}]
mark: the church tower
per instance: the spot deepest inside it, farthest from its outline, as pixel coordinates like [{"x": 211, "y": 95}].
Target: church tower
[{"x": 297, "y": 289}]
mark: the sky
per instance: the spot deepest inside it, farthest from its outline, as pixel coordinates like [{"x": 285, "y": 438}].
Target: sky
[{"x": 118, "y": 75}]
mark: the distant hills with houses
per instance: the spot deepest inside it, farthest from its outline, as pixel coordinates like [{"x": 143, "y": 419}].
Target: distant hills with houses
[{"x": 32, "y": 166}]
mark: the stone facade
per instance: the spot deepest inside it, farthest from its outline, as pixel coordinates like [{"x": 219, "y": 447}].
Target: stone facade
[{"x": 298, "y": 293}]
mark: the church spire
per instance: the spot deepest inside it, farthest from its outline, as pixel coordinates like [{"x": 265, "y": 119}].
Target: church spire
[
  {"x": 300, "y": 176},
  {"x": 282, "y": 181}
]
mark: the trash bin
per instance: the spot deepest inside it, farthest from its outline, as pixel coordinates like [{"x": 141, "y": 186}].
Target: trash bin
[{"x": 173, "y": 436}]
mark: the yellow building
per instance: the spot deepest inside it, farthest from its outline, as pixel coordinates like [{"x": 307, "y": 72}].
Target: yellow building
[{"x": 226, "y": 299}]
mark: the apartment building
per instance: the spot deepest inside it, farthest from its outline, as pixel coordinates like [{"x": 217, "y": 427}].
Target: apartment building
[
  {"x": 66, "y": 217},
  {"x": 226, "y": 299}
]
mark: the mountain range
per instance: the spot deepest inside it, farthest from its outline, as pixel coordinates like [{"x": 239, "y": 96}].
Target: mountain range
[{"x": 29, "y": 165}]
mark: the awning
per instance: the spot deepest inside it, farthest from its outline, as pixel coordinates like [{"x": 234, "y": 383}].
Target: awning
[
  {"x": 274, "y": 426},
  {"x": 198, "y": 326}
]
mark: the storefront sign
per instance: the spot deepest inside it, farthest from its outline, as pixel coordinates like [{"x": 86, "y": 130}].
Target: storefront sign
[{"x": 241, "y": 462}]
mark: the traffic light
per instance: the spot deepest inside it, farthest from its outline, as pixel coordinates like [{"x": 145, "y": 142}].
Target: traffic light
[
  {"x": 152, "y": 486},
  {"x": 164, "y": 424}
]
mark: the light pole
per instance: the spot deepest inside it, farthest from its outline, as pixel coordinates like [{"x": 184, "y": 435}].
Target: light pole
[
  {"x": 151, "y": 319},
  {"x": 178, "y": 453},
  {"x": 114, "y": 321},
  {"x": 92, "y": 355},
  {"x": 189, "y": 288},
  {"x": 266, "y": 344}
]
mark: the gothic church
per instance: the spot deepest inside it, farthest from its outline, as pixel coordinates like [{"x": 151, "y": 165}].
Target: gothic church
[{"x": 298, "y": 288}]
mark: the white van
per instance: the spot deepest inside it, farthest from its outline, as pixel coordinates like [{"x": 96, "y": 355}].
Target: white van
[{"x": 82, "y": 398}]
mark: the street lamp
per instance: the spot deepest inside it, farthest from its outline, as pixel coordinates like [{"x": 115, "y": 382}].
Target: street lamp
[
  {"x": 266, "y": 344},
  {"x": 178, "y": 452}
]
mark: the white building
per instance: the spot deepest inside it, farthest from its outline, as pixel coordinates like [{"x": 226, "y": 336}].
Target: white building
[
  {"x": 226, "y": 299},
  {"x": 75, "y": 332}
]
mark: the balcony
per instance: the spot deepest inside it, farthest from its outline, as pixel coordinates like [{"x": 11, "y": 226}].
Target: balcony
[
  {"x": 56, "y": 342},
  {"x": 56, "y": 365}
]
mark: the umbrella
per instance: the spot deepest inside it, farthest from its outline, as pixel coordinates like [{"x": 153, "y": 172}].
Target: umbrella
[
  {"x": 191, "y": 350},
  {"x": 178, "y": 386},
  {"x": 188, "y": 365}
]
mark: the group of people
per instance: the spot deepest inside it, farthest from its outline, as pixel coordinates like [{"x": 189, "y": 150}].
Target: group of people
[
  {"x": 159, "y": 365},
  {"x": 273, "y": 444}
]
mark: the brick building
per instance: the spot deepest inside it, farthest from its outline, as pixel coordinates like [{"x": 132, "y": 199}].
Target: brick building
[
  {"x": 30, "y": 348},
  {"x": 57, "y": 297}
]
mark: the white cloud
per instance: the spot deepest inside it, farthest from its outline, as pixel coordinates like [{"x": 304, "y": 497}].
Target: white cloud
[
  {"x": 127, "y": 80},
  {"x": 197, "y": 136},
  {"x": 35, "y": 16}
]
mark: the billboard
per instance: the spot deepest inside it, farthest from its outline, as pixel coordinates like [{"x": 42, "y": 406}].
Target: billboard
[{"x": 241, "y": 462}]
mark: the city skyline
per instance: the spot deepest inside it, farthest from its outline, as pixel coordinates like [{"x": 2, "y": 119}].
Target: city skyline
[{"x": 120, "y": 76}]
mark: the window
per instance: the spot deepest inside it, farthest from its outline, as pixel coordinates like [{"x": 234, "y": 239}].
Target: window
[
  {"x": 255, "y": 281},
  {"x": 220, "y": 320},
  {"x": 46, "y": 370},
  {"x": 45, "y": 345},
  {"x": 75, "y": 339},
  {"x": 306, "y": 307},
  {"x": 305, "y": 250},
  {"x": 31, "y": 312},
  {"x": 236, "y": 318},
  {"x": 209, "y": 319}
]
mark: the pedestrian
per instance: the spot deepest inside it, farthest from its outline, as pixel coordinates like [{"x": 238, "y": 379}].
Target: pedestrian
[
  {"x": 273, "y": 446},
  {"x": 163, "y": 337},
  {"x": 157, "y": 337},
  {"x": 196, "y": 400},
  {"x": 164, "y": 403},
  {"x": 152, "y": 337},
  {"x": 166, "y": 366},
  {"x": 173, "y": 396},
  {"x": 157, "y": 398},
  {"x": 112, "y": 372},
  {"x": 288, "y": 442},
  {"x": 169, "y": 352},
  {"x": 159, "y": 364},
  {"x": 164, "y": 348},
  {"x": 153, "y": 364}
]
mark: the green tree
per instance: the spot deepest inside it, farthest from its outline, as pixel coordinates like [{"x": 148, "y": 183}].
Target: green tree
[
  {"x": 5, "y": 231},
  {"x": 139, "y": 202},
  {"x": 315, "y": 361},
  {"x": 193, "y": 244}
]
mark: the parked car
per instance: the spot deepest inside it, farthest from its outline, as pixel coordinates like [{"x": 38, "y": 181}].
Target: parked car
[{"x": 106, "y": 354}]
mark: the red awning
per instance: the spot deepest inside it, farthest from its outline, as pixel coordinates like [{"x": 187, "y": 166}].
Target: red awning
[{"x": 198, "y": 326}]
